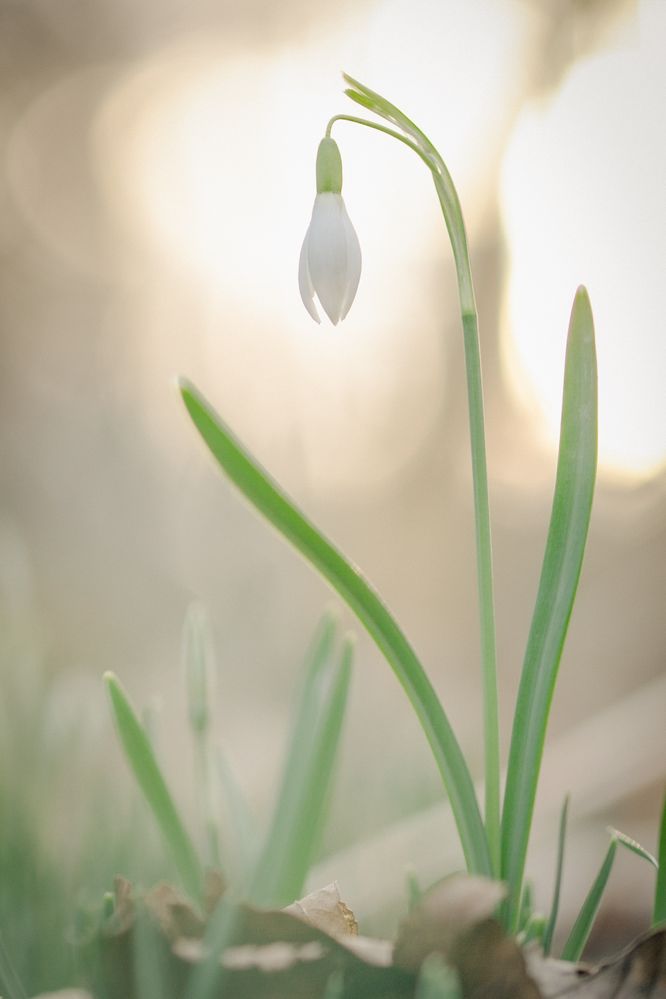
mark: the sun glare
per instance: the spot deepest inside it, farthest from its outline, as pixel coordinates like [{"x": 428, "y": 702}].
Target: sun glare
[
  {"x": 208, "y": 159},
  {"x": 583, "y": 203}
]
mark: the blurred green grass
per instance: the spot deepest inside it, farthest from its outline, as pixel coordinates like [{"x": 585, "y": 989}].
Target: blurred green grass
[{"x": 65, "y": 830}]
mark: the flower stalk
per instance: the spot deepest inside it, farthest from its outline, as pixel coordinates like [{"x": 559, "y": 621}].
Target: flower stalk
[{"x": 409, "y": 134}]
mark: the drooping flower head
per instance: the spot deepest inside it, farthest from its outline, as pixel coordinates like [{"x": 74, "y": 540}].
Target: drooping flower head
[{"x": 330, "y": 262}]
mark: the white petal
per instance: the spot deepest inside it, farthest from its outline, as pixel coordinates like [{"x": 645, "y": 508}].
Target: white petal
[
  {"x": 353, "y": 264},
  {"x": 304, "y": 282},
  {"x": 327, "y": 253}
]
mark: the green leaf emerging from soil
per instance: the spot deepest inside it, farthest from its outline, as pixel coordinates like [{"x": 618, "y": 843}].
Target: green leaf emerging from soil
[{"x": 142, "y": 761}]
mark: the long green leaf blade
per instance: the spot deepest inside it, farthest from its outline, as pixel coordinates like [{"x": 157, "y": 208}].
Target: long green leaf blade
[
  {"x": 570, "y": 518},
  {"x": 269, "y": 500},
  {"x": 145, "y": 768},
  {"x": 580, "y": 932},
  {"x": 659, "y": 913},
  {"x": 307, "y": 775},
  {"x": 555, "y": 907}
]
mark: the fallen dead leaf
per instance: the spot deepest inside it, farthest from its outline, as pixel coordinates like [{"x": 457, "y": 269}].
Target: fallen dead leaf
[{"x": 638, "y": 972}]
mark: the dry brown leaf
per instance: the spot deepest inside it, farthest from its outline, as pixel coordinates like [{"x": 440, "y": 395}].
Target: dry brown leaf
[
  {"x": 173, "y": 913},
  {"x": 448, "y": 910},
  {"x": 453, "y": 920},
  {"x": 491, "y": 964},
  {"x": 325, "y": 909},
  {"x": 638, "y": 972},
  {"x": 268, "y": 958}
]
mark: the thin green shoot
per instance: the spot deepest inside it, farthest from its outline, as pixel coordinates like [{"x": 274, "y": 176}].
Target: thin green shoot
[
  {"x": 335, "y": 986},
  {"x": 633, "y": 846},
  {"x": 549, "y": 930},
  {"x": 149, "y": 954},
  {"x": 455, "y": 224},
  {"x": 565, "y": 546},
  {"x": 659, "y": 911},
  {"x": 150, "y": 715},
  {"x": 242, "y": 839},
  {"x": 437, "y": 980},
  {"x": 146, "y": 770},
  {"x": 304, "y": 789},
  {"x": 200, "y": 673},
  {"x": 534, "y": 930},
  {"x": 271, "y": 501},
  {"x": 108, "y": 906},
  {"x": 9, "y": 980},
  {"x": 580, "y": 932},
  {"x": 526, "y": 906},
  {"x": 207, "y": 977},
  {"x": 414, "y": 890}
]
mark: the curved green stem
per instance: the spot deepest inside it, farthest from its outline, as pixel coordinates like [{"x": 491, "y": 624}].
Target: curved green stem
[
  {"x": 378, "y": 128},
  {"x": 452, "y": 212}
]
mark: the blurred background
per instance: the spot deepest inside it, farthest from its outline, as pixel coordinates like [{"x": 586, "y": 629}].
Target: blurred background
[{"x": 156, "y": 181}]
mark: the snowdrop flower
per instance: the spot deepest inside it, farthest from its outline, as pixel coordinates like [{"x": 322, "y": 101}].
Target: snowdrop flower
[{"x": 330, "y": 263}]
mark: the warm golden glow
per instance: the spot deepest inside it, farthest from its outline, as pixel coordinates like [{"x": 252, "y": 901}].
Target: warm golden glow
[
  {"x": 215, "y": 174},
  {"x": 583, "y": 203}
]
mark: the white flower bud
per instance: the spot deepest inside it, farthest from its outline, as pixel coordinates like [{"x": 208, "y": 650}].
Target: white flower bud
[{"x": 330, "y": 263}]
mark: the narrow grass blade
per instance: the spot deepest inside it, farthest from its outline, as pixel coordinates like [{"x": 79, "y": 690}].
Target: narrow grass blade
[
  {"x": 437, "y": 980},
  {"x": 197, "y": 659},
  {"x": 634, "y": 847},
  {"x": 414, "y": 890},
  {"x": 269, "y": 500},
  {"x": 242, "y": 840},
  {"x": 534, "y": 930},
  {"x": 575, "y": 944},
  {"x": 570, "y": 517},
  {"x": 207, "y": 978},
  {"x": 146, "y": 770},
  {"x": 199, "y": 670},
  {"x": 555, "y": 907},
  {"x": 150, "y": 958},
  {"x": 335, "y": 986},
  {"x": 150, "y": 719},
  {"x": 9, "y": 980},
  {"x": 307, "y": 775},
  {"x": 526, "y": 906},
  {"x": 659, "y": 913}
]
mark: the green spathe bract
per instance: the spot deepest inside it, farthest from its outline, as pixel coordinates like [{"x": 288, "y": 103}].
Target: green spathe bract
[{"x": 329, "y": 167}]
